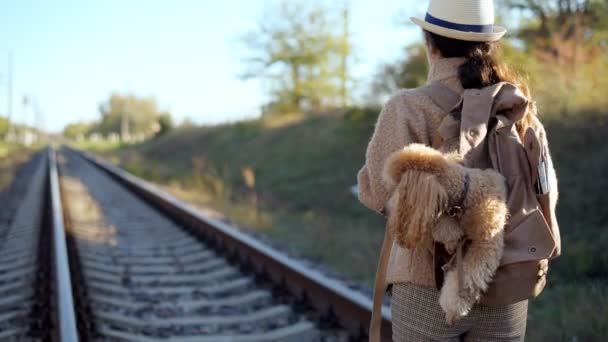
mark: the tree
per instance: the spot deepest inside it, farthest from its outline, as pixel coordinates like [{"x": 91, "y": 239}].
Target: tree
[
  {"x": 129, "y": 116},
  {"x": 568, "y": 32},
  {"x": 302, "y": 56},
  {"x": 4, "y": 127},
  {"x": 77, "y": 130},
  {"x": 561, "y": 43},
  {"x": 165, "y": 123},
  {"x": 408, "y": 72}
]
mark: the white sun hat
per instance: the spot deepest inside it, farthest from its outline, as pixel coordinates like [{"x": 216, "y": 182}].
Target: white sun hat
[{"x": 470, "y": 20}]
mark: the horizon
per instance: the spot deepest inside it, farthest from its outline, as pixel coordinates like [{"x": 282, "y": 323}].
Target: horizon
[{"x": 69, "y": 57}]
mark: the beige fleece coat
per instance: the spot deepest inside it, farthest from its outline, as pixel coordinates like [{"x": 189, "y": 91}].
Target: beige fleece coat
[{"x": 411, "y": 117}]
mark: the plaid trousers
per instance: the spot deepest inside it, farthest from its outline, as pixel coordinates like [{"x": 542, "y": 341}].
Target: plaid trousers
[{"x": 417, "y": 317}]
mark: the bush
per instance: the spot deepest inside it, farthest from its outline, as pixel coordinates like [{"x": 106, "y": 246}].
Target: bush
[
  {"x": 4, "y": 126},
  {"x": 577, "y": 311}
]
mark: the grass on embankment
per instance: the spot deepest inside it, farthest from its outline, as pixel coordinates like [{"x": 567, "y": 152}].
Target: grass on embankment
[
  {"x": 12, "y": 156},
  {"x": 303, "y": 171},
  {"x": 574, "y": 305}
]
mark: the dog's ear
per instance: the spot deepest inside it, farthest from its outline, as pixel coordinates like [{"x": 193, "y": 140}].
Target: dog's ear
[
  {"x": 420, "y": 199},
  {"x": 413, "y": 157}
]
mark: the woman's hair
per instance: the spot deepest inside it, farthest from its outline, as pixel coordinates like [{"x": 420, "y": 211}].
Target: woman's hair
[{"x": 482, "y": 68}]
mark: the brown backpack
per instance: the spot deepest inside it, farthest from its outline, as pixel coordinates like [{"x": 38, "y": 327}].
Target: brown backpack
[{"x": 481, "y": 127}]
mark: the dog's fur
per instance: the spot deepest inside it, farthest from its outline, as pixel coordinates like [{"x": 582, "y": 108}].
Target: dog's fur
[{"x": 426, "y": 183}]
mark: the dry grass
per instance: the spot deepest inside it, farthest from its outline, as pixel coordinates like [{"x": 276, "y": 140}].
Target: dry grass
[{"x": 11, "y": 158}]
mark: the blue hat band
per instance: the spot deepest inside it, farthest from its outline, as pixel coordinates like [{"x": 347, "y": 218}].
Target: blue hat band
[{"x": 459, "y": 27}]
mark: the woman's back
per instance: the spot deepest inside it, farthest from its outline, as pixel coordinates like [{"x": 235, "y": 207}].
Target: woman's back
[{"x": 459, "y": 59}]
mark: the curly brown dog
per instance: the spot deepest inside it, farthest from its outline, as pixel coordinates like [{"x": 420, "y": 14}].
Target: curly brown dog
[{"x": 436, "y": 198}]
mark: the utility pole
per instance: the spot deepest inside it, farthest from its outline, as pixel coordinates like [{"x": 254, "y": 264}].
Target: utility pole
[
  {"x": 38, "y": 116},
  {"x": 344, "y": 54},
  {"x": 9, "y": 95},
  {"x": 9, "y": 87}
]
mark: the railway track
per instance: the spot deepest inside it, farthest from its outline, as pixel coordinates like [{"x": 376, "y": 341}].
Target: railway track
[
  {"x": 19, "y": 252},
  {"x": 147, "y": 279},
  {"x": 35, "y": 304},
  {"x": 111, "y": 258}
]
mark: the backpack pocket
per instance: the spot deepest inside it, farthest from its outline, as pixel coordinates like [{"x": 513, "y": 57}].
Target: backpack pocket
[
  {"x": 530, "y": 240},
  {"x": 545, "y": 206}
]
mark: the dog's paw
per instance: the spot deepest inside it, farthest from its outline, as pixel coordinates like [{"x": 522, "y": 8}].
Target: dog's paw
[
  {"x": 455, "y": 307},
  {"x": 453, "y": 304}
]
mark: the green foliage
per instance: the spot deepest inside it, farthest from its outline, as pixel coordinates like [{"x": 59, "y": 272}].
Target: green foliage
[
  {"x": 565, "y": 32},
  {"x": 77, "y": 130},
  {"x": 560, "y": 45},
  {"x": 409, "y": 72},
  {"x": 563, "y": 48},
  {"x": 165, "y": 123},
  {"x": 567, "y": 92},
  {"x": 577, "y": 142},
  {"x": 97, "y": 146},
  {"x": 575, "y": 311},
  {"x": 4, "y": 126},
  {"x": 301, "y": 55},
  {"x": 359, "y": 121},
  {"x": 126, "y": 116},
  {"x": 129, "y": 116}
]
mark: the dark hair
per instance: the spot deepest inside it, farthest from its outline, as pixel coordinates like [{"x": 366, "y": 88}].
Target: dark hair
[{"x": 481, "y": 68}]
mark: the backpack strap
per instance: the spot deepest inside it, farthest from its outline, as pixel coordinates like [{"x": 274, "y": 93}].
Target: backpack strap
[
  {"x": 446, "y": 99},
  {"x": 375, "y": 324},
  {"x": 442, "y": 96}
]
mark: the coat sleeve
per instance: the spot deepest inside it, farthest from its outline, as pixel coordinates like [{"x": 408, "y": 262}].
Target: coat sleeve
[{"x": 397, "y": 126}]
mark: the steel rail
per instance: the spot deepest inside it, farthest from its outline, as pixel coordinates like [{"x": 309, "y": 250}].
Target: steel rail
[
  {"x": 351, "y": 308},
  {"x": 65, "y": 301}
]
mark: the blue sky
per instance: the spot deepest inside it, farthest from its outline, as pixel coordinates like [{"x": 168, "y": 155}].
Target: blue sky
[{"x": 69, "y": 56}]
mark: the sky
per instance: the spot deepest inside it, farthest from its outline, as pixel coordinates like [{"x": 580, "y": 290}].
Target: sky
[{"x": 69, "y": 56}]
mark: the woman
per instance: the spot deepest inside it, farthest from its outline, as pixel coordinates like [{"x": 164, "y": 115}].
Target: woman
[{"x": 461, "y": 43}]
